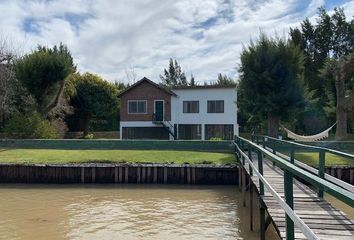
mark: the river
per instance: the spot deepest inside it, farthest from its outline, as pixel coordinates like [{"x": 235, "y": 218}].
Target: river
[{"x": 122, "y": 212}]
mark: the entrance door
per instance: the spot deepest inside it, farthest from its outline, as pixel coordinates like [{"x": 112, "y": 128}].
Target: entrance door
[{"x": 159, "y": 110}]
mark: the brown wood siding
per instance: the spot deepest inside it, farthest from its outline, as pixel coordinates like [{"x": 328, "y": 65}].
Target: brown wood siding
[{"x": 145, "y": 91}]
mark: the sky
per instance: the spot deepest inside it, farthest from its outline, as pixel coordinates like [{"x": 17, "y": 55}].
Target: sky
[{"x": 114, "y": 38}]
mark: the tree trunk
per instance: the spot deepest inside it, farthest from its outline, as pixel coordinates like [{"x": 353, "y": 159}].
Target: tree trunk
[
  {"x": 341, "y": 130},
  {"x": 86, "y": 126},
  {"x": 273, "y": 124},
  {"x": 341, "y": 111}
]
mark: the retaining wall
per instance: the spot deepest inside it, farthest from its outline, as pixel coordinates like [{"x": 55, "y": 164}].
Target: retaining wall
[
  {"x": 121, "y": 173},
  {"x": 117, "y": 144}
]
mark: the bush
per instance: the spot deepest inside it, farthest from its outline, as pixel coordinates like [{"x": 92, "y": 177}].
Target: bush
[
  {"x": 30, "y": 126},
  {"x": 88, "y": 136},
  {"x": 216, "y": 139}
]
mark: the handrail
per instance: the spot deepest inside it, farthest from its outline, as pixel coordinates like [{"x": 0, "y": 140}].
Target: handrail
[
  {"x": 336, "y": 191},
  {"x": 336, "y": 152},
  {"x": 290, "y": 212},
  {"x": 328, "y": 177}
]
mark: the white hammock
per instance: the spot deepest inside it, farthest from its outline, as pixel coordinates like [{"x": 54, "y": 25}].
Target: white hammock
[{"x": 311, "y": 138}]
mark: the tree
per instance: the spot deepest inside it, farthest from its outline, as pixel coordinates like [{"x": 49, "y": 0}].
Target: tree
[
  {"x": 341, "y": 72},
  {"x": 174, "y": 76},
  {"x": 224, "y": 80},
  {"x": 93, "y": 98},
  {"x": 192, "y": 81},
  {"x": 43, "y": 73},
  {"x": 13, "y": 97},
  {"x": 271, "y": 80}
]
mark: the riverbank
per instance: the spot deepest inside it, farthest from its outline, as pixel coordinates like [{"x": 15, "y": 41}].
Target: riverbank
[{"x": 60, "y": 156}]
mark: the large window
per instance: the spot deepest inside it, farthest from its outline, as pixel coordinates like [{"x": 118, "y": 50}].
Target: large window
[
  {"x": 189, "y": 131},
  {"x": 190, "y": 106},
  {"x": 216, "y": 106},
  {"x": 138, "y": 106},
  {"x": 223, "y": 131}
]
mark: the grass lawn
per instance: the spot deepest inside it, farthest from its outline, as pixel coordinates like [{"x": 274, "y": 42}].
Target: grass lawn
[
  {"x": 311, "y": 158},
  {"x": 51, "y": 156}
]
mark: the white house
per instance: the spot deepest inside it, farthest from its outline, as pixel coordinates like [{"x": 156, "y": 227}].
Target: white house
[{"x": 149, "y": 111}]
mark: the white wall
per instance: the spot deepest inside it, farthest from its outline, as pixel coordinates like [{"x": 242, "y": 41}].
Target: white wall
[{"x": 203, "y": 95}]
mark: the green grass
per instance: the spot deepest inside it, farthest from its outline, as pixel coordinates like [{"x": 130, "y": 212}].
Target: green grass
[
  {"x": 311, "y": 158},
  {"x": 49, "y": 156}
]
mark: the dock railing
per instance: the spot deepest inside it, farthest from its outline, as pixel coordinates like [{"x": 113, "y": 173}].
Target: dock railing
[
  {"x": 280, "y": 147},
  {"x": 290, "y": 170}
]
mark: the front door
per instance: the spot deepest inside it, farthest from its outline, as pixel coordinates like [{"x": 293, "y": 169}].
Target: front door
[{"x": 159, "y": 110}]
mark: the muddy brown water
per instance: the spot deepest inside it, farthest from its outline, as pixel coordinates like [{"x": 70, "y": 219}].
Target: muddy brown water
[{"x": 123, "y": 212}]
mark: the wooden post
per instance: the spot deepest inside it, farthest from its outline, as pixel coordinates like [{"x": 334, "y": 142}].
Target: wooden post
[
  {"x": 262, "y": 218},
  {"x": 240, "y": 175},
  {"x": 193, "y": 175},
  {"x": 321, "y": 169},
  {"x": 93, "y": 175},
  {"x": 339, "y": 173},
  {"x": 251, "y": 206},
  {"x": 143, "y": 174},
  {"x": 138, "y": 172},
  {"x": 244, "y": 186},
  {"x": 155, "y": 174},
  {"x": 120, "y": 174},
  {"x": 188, "y": 175},
  {"x": 82, "y": 175},
  {"x": 115, "y": 174},
  {"x": 126, "y": 174},
  {"x": 165, "y": 175},
  {"x": 148, "y": 175},
  {"x": 182, "y": 174}
]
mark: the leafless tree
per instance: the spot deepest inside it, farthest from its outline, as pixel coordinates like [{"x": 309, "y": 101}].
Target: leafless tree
[{"x": 130, "y": 74}]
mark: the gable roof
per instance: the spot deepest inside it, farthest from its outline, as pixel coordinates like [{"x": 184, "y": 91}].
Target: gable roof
[{"x": 144, "y": 79}]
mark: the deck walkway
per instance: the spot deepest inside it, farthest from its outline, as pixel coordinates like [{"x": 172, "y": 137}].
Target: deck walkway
[{"x": 326, "y": 221}]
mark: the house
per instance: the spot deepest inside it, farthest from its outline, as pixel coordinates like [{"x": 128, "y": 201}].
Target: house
[{"x": 150, "y": 111}]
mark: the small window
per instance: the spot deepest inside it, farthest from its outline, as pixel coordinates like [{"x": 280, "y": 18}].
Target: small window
[
  {"x": 216, "y": 106},
  {"x": 190, "y": 106},
  {"x": 137, "y": 106}
]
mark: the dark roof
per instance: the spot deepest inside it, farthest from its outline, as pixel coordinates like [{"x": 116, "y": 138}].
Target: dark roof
[
  {"x": 203, "y": 87},
  {"x": 144, "y": 79}
]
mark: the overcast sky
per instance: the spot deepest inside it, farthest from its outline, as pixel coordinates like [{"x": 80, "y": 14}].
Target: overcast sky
[{"x": 109, "y": 37}]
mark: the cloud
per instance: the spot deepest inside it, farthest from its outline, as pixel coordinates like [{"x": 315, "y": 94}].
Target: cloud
[{"x": 108, "y": 36}]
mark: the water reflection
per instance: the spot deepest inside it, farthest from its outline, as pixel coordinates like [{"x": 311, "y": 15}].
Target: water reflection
[{"x": 122, "y": 212}]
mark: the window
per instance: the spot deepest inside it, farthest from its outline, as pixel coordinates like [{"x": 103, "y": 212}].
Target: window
[
  {"x": 223, "y": 131},
  {"x": 137, "y": 106},
  {"x": 190, "y": 106},
  {"x": 189, "y": 131},
  {"x": 216, "y": 106}
]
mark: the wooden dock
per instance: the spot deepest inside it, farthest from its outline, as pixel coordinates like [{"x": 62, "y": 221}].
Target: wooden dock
[{"x": 326, "y": 221}]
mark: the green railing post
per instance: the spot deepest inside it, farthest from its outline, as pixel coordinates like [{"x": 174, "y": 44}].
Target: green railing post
[
  {"x": 257, "y": 140},
  {"x": 263, "y": 139},
  {"x": 292, "y": 154},
  {"x": 260, "y": 170},
  {"x": 261, "y": 196},
  {"x": 289, "y": 198},
  {"x": 321, "y": 169},
  {"x": 250, "y": 157}
]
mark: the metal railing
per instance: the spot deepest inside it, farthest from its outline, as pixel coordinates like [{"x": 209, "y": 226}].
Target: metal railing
[
  {"x": 290, "y": 170},
  {"x": 275, "y": 145}
]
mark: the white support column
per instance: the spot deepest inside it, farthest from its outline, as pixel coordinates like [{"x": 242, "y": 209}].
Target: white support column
[
  {"x": 203, "y": 131},
  {"x": 120, "y": 131}
]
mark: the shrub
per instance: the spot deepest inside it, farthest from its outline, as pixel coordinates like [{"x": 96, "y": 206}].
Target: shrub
[
  {"x": 30, "y": 126},
  {"x": 88, "y": 136},
  {"x": 216, "y": 139}
]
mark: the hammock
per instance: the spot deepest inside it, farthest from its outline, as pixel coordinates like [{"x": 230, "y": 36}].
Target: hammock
[{"x": 311, "y": 138}]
